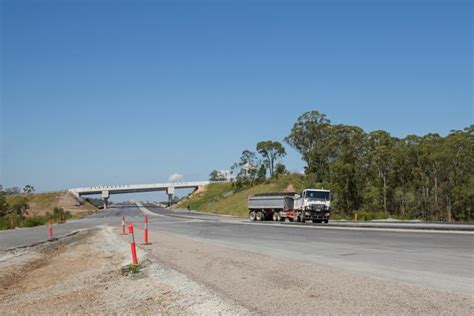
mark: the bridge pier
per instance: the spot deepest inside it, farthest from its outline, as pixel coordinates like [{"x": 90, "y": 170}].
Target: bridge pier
[
  {"x": 105, "y": 196},
  {"x": 170, "y": 192}
]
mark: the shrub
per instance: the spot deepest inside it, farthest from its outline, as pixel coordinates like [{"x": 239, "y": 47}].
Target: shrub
[
  {"x": 35, "y": 221},
  {"x": 4, "y": 224}
]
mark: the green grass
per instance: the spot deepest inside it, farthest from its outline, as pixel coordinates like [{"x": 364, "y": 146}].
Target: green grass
[
  {"x": 45, "y": 206},
  {"x": 34, "y": 221},
  {"x": 220, "y": 198},
  {"x": 4, "y": 223}
]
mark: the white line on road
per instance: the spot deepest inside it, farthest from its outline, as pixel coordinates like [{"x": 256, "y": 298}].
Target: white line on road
[{"x": 395, "y": 230}]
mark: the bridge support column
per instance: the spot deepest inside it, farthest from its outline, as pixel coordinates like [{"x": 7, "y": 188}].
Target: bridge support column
[
  {"x": 170, "y": 192},
  {"x": 105, "y": 196}
]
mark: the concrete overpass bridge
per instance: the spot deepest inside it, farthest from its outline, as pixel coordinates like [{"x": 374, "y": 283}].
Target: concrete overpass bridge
[{"x": 107, "y": 190}]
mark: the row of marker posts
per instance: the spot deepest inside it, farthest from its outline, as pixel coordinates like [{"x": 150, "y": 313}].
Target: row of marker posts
[
  {"x": 132, "y": 238},
  {"x": 130, "y": 232},
  {"x": 61, "y": 220}
]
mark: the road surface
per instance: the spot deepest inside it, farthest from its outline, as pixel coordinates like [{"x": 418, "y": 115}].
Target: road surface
[{"x": 439, "y": 260}]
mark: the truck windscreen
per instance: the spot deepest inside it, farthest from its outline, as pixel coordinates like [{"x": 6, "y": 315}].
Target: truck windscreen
[{"x": 317, "y": 195}]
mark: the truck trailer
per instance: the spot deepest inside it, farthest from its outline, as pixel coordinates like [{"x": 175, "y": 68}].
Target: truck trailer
[{"x": 311, "y": 204}]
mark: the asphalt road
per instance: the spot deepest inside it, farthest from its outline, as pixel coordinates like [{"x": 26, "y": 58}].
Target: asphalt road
[{"x": 443, "y": 260}]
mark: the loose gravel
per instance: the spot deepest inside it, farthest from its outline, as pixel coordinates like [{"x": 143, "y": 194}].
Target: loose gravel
[{"x": 82, "y": 275}]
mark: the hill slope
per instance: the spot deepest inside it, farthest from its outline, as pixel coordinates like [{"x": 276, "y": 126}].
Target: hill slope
[
  {"x": 221, "y": 199},
  {"x": 42, "y": 203}
]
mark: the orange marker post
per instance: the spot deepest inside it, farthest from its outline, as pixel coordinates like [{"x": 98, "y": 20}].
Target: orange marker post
[
  {"x": 146, "y": 232},
  {"x": 50, "y": 230},
  {"x": 132, "y": 244}
]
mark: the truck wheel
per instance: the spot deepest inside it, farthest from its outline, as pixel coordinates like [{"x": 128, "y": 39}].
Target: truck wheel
[
  {"x": 278, "y": 217},
  {"x": 260, "y": 216},
  {"x": 326, "y": 221},
  {"x": 303, "y": 219},
  {"x": 275, "y": 216},
  {"x": 281, "y": 219},
  {"x": 290, "y": 219},
  {"x": 252, "y": 216}
]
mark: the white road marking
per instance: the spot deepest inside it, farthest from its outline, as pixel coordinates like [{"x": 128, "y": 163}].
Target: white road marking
[{"x": 395, "y": 230}]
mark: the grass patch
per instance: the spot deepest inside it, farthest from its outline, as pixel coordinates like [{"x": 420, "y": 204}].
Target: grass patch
[
  {"x": 220, "y": 198},
  {"x": 135, "y": 268},
  {"x": 34, "y": 221},
  {"x": 4, "y": 223}
]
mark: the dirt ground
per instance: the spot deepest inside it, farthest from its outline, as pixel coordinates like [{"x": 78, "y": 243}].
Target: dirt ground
[
  {"x": 42, "y": 203},
  {"x": 82, "y": 275}
]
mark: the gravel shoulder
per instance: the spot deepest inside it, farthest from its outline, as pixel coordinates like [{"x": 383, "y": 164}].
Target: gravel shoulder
[
  {"x": 266, "y": 284},
  {"x": 81, "y": 274}
]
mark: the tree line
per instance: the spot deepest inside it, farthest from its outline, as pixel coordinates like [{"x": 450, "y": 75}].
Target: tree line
[
  {"x": 255, "y": 167},
  {"x": 427, "y": 177}
]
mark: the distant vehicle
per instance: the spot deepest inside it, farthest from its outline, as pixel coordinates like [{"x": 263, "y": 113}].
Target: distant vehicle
[{"x": 311, "y": 204}]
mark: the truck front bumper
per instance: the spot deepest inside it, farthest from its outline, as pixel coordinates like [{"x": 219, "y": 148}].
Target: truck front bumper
[{"x": 322, "y": 215}]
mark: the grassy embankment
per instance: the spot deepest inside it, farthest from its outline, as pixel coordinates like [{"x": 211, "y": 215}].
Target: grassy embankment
[
  {"x": 221, "y": 199},
  {"x": 41, "y": 208}
]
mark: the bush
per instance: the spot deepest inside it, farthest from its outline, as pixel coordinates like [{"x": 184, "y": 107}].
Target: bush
[
  {"x": 4, "y": 224},
  {"x": 58, "y": 212},
  {"x": 35, "y": 221}
]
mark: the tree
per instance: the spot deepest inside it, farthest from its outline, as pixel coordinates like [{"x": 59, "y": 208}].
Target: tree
[
  {"x": 217, "y": 175},
  {"x": 18, "y": 206},
  {"x": 28, "y": 189},
  {"x": 380, "y": 159},
  {"x": 3, "y": 204},
  {"x": 247, "y": 169},
  {"x": 280, "y": 169},
  {"x": 310, "y": 137},
  {"x": 262, "y": 174},
  {"x": 13, "y": 190},
  {"x": 271, "y": 152}
]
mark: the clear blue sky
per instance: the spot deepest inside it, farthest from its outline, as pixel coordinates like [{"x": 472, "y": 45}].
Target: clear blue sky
[{"x": 110, "y": 92}]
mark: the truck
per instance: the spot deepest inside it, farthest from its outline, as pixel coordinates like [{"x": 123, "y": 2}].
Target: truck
[{"x": 311, "y": 204}]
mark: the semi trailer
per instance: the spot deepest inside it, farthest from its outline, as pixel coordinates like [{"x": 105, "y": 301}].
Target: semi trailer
[{"x": 311, "y": 204}]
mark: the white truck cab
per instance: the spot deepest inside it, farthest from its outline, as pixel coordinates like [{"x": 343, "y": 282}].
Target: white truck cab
[
  {"x": 313, "y": 204},
  {"x": 315, "y": 198}
]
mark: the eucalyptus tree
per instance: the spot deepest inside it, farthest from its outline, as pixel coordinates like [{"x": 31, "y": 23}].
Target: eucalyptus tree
[{"x": 271, "y": 152}]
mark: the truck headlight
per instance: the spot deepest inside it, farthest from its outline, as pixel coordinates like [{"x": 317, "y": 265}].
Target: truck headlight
[{"x": 327, "y": 214}]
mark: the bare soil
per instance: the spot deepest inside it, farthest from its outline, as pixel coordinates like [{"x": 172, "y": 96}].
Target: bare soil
[
  {"x": 82, "y": 275},
  {"x": 42, "y": 203}
]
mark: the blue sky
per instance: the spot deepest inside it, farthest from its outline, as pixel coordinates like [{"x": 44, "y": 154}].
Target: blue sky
[{"x": 110, "y": 92}]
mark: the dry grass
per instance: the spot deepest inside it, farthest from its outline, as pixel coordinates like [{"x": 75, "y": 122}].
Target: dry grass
[
  {"x": 220, "y": 198},
  {"x": 42, "y": 203}
]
